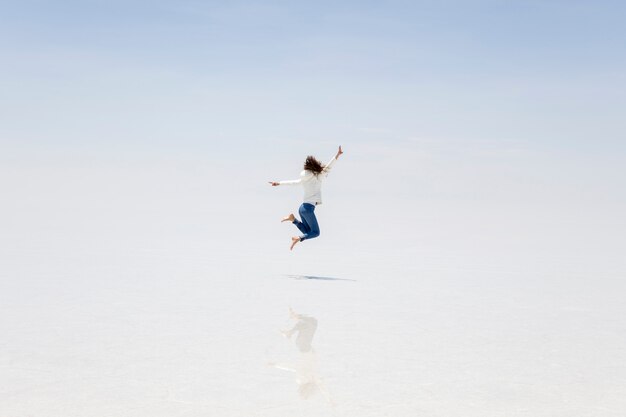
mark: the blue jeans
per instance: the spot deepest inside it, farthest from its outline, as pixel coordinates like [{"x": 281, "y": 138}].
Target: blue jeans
[{"x": 308, "y": 226}]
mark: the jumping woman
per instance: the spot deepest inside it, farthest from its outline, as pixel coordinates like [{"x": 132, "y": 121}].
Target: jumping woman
[{"x": 311, "y": 179}]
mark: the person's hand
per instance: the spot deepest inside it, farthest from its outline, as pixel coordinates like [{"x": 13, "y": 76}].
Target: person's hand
[
  {"x": 274, "y": 183},
  {"x": 339, "y": 152}
]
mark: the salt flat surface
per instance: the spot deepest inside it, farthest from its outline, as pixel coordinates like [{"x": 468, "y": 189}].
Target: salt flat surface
[
  {"x": 156, "y": 298},
  {"x": 170, "y": 336}
]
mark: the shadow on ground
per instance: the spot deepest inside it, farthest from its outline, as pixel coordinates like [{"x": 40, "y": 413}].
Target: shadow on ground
[{"x": 318, "y": 278}]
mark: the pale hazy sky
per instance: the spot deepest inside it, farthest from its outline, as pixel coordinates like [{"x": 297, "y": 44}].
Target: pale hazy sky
[
  {"x": 216, "y": 76},
  {"x": 455, "y": 102}
]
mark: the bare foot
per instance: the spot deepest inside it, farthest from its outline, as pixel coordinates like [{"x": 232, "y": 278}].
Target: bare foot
[
  {"x": 294, "y": 240},
  {"x": 289, "y": 218}
]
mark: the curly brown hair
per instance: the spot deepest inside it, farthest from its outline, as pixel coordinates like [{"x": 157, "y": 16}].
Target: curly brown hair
[{"x": 313, "y": 165}]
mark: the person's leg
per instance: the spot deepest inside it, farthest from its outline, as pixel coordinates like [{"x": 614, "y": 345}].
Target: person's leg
[
  {"x": 303, "y": 226},
  {"x": 309, "y": 221},
  {"x": 308, "y": 216}
]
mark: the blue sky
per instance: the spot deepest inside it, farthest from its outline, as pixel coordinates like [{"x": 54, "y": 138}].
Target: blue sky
[
  {"x": 214, "y": 77},
  {"x": 493, "y": 107}
]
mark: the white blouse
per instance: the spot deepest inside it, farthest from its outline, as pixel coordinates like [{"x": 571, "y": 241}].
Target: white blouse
[{"x": 312, "y": 183}]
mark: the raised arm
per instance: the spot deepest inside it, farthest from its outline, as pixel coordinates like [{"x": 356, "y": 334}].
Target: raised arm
[{"x": 330, "y": 163}]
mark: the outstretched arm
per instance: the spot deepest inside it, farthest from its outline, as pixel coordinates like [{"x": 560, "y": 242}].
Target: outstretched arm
[
  {"x": 330, "y": 163},
  {"x": 288, "y": 182},
  {"x": 305, "y": 176}
]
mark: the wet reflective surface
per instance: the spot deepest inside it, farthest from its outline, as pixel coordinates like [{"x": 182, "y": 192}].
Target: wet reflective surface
[
  {"x": 182, "y": 341},
  {"x": 305, "y": 368}
]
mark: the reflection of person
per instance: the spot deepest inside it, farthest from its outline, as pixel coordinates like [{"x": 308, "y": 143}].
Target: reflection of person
[
  {"x": 311, "y": 179},
  {"x": 305, "y": 368},
  {"x": 305, "y": 327}
]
